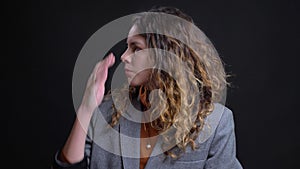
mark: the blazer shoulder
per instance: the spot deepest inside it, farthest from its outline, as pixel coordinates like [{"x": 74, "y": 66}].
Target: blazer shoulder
[{"x": 218, "y": 117}]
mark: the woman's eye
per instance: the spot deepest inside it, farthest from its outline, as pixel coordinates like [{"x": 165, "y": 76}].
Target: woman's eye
[{"x": 136, "y": 49}]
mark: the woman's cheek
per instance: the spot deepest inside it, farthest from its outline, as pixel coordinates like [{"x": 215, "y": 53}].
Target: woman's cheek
[{"x": 140, "y": 78}]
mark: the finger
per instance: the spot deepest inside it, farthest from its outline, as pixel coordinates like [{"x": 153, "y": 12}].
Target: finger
[
  {"x": 101, "y": 64},
  {"x": 111, "y": 60},
  {"x": 97, "y": 67},
  {"x": 95, "y": 71},
  {"x": 101, "y": 70},
  {"x": 105, "y": 63},
  {"x": 108, "y": 59}
]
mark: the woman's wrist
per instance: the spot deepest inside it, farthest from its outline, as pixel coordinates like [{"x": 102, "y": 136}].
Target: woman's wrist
[
  {"x": 84, "y": 115},
  {"x": 83, "y": 109}
]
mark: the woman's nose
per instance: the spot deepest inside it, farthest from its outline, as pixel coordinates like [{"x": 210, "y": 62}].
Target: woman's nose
[{"x": 126, "y": 57}]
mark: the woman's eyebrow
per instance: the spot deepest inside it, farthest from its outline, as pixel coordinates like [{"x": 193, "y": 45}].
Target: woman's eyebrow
[{"x": 134, "y": 43}]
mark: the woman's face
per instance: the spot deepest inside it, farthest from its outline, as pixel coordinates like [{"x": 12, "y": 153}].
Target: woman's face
[{"x": 137, "y": 60}]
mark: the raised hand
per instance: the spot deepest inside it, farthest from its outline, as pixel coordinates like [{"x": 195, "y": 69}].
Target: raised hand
[
  {"x": 95, "y": 88},
  {"x": 73, "y": 150}
]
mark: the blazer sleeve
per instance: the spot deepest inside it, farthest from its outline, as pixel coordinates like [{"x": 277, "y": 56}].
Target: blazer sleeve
[
  {"x": 83, "y": 164},
  {"x": 104, "y": 108},
  {"x": 222, "y": 152}
]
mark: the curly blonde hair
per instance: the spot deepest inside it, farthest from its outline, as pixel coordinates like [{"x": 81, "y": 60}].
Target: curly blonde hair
[{"x": 185, "y": 101}]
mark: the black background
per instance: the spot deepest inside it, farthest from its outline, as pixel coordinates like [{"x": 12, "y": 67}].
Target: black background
[{"x": 258, "y": 41}]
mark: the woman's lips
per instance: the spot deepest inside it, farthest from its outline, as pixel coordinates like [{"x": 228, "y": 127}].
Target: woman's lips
[{"x": 128, "y": 72}]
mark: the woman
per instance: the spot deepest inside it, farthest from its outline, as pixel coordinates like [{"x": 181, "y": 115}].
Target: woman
[{"x": 170, "y": 116}]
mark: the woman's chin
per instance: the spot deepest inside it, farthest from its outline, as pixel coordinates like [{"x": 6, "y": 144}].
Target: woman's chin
[{"x": 134, "y": 82}]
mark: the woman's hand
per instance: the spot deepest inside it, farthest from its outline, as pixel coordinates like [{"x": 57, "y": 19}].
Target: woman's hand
[
  {"x": 95, "y": 88},
  {"x": 73, "y": 150}
]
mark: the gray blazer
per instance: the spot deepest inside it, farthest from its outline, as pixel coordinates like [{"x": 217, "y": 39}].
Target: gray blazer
[{"x": 119, "y": 147}]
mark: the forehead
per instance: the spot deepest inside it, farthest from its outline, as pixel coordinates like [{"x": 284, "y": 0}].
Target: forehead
[
  {"x": 133, "y": 31},
  {"x": 133, "y": 35}
]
